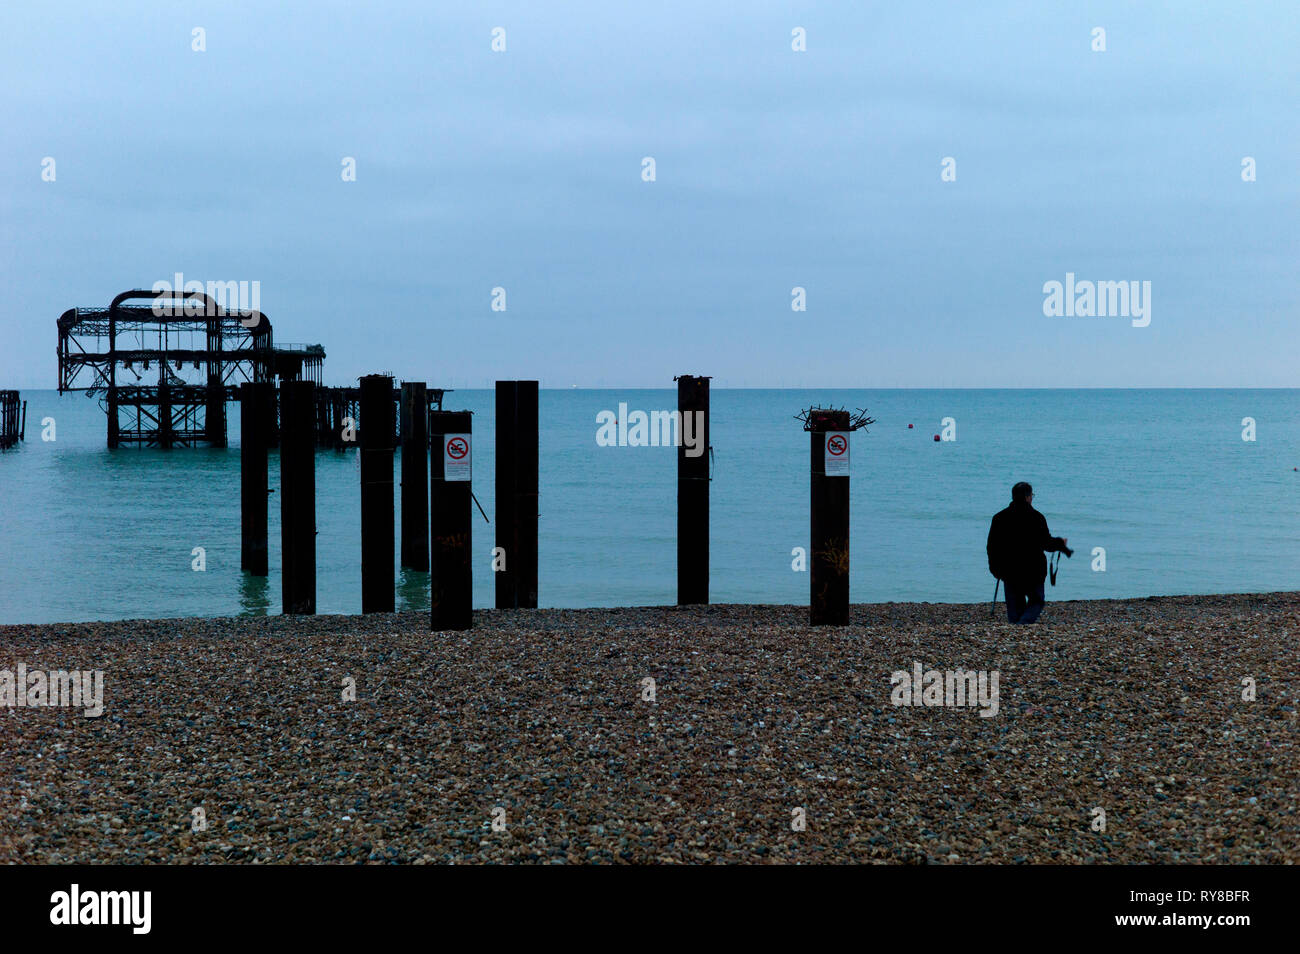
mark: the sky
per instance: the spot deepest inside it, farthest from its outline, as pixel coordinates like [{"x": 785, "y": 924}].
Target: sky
[{"x": 774, "y": 169}]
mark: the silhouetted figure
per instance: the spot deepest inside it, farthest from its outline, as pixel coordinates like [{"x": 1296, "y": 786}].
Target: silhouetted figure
[{"x": 1018, "y": 538}]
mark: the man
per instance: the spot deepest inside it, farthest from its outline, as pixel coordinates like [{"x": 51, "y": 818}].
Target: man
[{"x": 1018, "y": 538}]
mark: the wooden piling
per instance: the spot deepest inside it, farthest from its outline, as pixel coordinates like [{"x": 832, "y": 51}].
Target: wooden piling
[
  {"x": 255, "y": 408},
  {"x": 516, "y": 493},
  {"x": 450, "y": 538},
  {"x": 377, "y": 426},
  {"x": 110, "y": 393},
  {"x": 298, "y": 497},
  {"x": 166, "y": 435},
  {"x": 693, "y": 490},
  {"x": 828, "y": 576},
  {"x": 214, "y": 415},
  {"x": 273, "y": 418},
  {"x": 415, "y": 475}
]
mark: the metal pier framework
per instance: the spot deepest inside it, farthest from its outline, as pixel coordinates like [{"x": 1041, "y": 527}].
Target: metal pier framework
[
  {"x": 13, "y": 419},
  {"x": 164, "y": 371}
]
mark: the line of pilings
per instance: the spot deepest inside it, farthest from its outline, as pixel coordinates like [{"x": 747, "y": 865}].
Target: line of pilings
[
  {"x": 446, "y": 550},
  {"x": 447, "y": 523},
  {"x": 693, "y": 451},
  {"x": 515, "y": 560}
]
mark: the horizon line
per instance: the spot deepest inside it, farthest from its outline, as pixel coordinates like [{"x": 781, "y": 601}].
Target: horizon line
[{"x": 761, "y": 387}]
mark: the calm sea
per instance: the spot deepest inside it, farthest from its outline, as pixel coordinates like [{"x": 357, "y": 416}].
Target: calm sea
[{"x": 1161, "y": 480}]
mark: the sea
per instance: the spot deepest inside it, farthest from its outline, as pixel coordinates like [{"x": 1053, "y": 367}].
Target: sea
[{"x": 1158, "y": 491}]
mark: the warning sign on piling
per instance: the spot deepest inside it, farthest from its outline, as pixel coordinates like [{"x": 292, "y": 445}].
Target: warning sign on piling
[
  {"x": 837, "y": 453},
  {"x": 456, "y": 457}
]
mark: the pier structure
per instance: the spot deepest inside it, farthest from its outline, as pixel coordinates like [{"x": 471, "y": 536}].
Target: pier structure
[
  {"x": 164, "y": 371},
  {"x": 339, "y": 418},
  {"x": 165, "y": 365},
  {"x": 13, "y": 419}
]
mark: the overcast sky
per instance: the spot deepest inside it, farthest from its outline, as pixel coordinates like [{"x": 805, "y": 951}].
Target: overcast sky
[{"x": 774, "y": 169}]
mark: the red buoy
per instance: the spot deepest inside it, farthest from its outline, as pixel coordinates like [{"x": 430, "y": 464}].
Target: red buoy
[
  {"x": 936, "y": 437},
  {"x": 909, "y": 427}
]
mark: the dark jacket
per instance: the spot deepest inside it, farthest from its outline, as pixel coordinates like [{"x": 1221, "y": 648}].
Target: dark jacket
[{"x": 1018, "y": 537}]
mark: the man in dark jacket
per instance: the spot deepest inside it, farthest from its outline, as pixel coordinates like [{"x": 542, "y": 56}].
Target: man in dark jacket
[{"x": 1018, "y": 538}]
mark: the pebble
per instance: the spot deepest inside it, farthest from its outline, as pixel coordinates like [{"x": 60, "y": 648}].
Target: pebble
[{"x": 1131, "y": 706}]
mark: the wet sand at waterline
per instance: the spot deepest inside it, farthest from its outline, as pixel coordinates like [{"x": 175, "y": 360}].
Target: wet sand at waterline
[{"x": 1133, "y": 707}]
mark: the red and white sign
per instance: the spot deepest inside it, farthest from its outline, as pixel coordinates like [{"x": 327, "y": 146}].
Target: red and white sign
[
  {"x": 456, "y": 457},
  {"x": 837, "y": 453}
]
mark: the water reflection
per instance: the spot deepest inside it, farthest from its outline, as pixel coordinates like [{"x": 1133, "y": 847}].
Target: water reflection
[
  {"x": 412, "y": 591},
  {"x": 254, "y": 595}
]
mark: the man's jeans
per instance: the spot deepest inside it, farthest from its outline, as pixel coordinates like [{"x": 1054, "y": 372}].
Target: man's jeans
[{"x": 1024, "y": 605}]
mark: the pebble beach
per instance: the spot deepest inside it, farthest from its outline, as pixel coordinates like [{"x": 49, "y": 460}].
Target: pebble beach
[{"x": 1121, "y": 736}]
